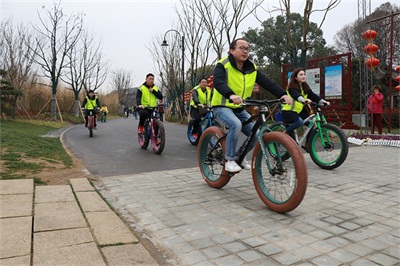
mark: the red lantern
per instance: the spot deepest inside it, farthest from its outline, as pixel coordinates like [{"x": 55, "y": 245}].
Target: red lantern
[
  {"x": 369, "y": 34},
  {"x": 372, "y": 62},
  {"x": 398, "y": 68},
  {"x": 398, "y": 87},
  {"x": 371, "y": 48},
  {"x": 398, "y": 79}
]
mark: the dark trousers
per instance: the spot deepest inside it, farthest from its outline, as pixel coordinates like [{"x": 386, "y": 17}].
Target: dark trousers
[
  {"x": 144, "y": 114},
  {"x": 195, "y": 114},
  {"x": 376, "y": 120}
]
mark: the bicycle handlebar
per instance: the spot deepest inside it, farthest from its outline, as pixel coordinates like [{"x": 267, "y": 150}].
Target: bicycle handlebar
[{"x": 264, "y": 102}]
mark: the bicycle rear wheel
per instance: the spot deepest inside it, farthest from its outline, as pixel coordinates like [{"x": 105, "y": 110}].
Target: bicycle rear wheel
[
  {"x": 281, "y": 185},
  {"x": 329, "y": 148},
  {"x": 159, "y": 137},
  {"x": 211, "y": 158}
]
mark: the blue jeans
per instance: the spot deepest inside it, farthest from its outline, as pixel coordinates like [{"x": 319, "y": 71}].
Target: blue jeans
[
  {"x": 294, "y": 125},
  {"x": 233, "y": 120}
]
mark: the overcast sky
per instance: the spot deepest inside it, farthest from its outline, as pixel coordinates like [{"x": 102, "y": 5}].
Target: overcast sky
[{"x": 126, "y": 27}]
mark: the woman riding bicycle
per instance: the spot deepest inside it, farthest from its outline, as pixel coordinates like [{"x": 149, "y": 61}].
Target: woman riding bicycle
[
  {"x": 201, "y": 97},
  {"x": 146, "y": 100},
  {"x": 229, "y": 92},
  {"x": 300, "y": 93}
]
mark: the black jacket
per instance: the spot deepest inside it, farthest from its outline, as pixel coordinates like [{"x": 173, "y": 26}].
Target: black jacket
[{"x": 221, "y": 85}]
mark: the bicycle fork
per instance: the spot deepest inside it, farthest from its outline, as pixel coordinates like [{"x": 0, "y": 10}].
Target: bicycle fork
[{"x": 278, "y": 168}]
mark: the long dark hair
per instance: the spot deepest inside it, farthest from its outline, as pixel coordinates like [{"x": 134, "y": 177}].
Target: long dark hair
[{"x": 293, "y": 83}]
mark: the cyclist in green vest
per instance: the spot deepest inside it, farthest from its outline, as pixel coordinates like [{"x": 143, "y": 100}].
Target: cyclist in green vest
[
  {"x": 146, "y": 100},
  {"x": 201, "y": 97},
  {"x": 234, "y": 80},
  {"x": 300, "y": 93},
  {"x": 90, "y": 103}
]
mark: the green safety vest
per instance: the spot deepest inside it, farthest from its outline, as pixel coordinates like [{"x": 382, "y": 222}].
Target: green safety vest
[
  {"x": 296, "y": 106},
  {"x": 148, "y": 98},
  {"x": 91, "y": 104},
  {"x": 241, "y": 84},
  {"x": 204, "y": 96}
]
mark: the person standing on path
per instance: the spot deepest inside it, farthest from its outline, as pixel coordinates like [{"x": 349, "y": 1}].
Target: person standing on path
[{"x": 374, "y": 104}]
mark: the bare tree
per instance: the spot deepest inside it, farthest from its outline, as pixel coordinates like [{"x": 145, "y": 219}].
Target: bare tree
[
  {"x": 86, "y": 67},
  {"x": 222, "y": 19},
  {"x": 56, "y": 36},
  {"x": 121, "y": 82},
  {"x": 308, "y": 10},
  {"x": 17, "y": 59},
  {"x": 197, "y": 40}
]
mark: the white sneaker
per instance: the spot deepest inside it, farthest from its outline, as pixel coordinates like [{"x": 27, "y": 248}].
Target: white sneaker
[
  {"x": 232, "y": 166},
  {"x": 246, "y": 165}
]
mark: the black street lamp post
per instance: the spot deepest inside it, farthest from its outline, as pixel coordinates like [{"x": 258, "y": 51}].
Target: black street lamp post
[{"x": 164, "y": 43}]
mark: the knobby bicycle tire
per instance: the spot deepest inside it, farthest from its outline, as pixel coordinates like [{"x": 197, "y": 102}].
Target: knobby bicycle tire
[
  {"x": 212, "y": 166},
  {"x": 159, "y": 140},
  {"x": 335, "y": 151},
  {"x": 143, "y": 138},
  {"x": 282, "y": 188},
  {"x": 91, "y": 125}
]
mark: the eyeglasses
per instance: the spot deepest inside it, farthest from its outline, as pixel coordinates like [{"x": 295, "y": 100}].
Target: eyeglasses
[{"x": 244, "y": 49}]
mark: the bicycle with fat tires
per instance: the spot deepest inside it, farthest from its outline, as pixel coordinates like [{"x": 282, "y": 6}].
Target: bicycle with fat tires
[
  {"x": 207, "y": 121},
  {"x": 91, "y": 120},
  {"x": 326, "y": 143},
  {"x": 153, "y": 131},
  {"x": 280, "y": 184}
]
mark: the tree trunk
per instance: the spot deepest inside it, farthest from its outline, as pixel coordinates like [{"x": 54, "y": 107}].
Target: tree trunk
[
  {"x": 76, "y": 108},
  {"x": 54, "y": 100},
  {"x": 53, "y": 107}
]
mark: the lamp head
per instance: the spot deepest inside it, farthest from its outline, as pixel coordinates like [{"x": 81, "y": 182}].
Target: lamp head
[{"x": 164, "y": 43}]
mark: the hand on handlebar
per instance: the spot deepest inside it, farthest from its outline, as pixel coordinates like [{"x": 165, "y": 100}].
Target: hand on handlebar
[
  {"x": 287, "y": 99},
  {"x": 235, "y": 99}
]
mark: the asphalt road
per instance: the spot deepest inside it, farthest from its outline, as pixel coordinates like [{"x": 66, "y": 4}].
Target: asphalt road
[{"x": 114, "y": 149}]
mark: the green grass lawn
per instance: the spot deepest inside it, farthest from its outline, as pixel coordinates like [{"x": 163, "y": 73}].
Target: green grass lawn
[{"x": 24, "y": 151}]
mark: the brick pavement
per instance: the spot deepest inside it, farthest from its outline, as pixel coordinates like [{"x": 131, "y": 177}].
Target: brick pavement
[{"x": 349, "y": 216}]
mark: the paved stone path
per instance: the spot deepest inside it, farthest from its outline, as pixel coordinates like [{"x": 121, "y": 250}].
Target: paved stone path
[
  {"x": 63, "y": 225},
  {"x": 349, "y": 216}
]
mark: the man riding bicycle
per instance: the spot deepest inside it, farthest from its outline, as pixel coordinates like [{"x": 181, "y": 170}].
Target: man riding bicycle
[
  {"x": 146, "y": 100},
  {"x": 201, "y": 97},
  {"x": 234, "y": 80},
  {"x": 91, "y": 103}
]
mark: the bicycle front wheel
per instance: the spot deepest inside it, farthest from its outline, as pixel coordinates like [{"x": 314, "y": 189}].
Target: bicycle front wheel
[
  {"x": 159, "y": 137},
  {"x": 281, "y": 185},
  {"x": 143, "y": 138},
  {"x": 329, "y": 148},
  {"x": 192, "y": 139},
  {"x": 90, "y": 125},
  {"x": 211, "y": 158}
]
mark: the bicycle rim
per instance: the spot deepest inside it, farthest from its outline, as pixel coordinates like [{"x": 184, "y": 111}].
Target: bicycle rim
[
  {"x": 211, "y": 159},
  {"x": 329, "y": 147},
  {"x": 281, "y": 185}
]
